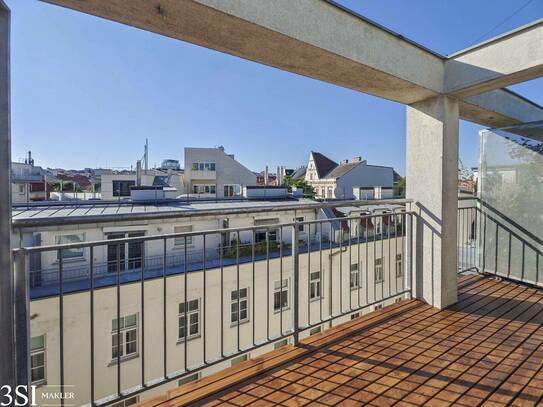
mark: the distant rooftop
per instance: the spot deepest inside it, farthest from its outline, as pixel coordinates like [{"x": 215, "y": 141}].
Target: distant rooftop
[{"x": 46, "y": 214}]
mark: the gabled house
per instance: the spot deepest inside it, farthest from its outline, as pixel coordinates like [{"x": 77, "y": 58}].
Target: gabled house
[{"x": 348, "y": 180}]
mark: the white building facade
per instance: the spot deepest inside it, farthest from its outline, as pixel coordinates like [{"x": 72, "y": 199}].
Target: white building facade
[
  {"x": 348, "y": 180},
  {"x": 211, "y": 173},
  {"x": 193, "y": 306}
]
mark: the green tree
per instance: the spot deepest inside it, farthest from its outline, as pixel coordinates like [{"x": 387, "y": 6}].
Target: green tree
[
  {"x": 399, "y": 188},
  {"x": 299, "y": 183}
]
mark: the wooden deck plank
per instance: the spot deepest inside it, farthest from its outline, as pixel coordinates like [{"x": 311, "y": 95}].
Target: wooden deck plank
[{"x": 485, "y": 350}]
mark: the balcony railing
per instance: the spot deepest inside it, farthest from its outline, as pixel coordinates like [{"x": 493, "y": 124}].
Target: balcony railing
[
  {"x": 129, "y": 324},
  {"x": 492, "y": 243}
]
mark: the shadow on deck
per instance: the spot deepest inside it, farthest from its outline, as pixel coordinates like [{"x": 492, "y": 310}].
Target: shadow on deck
[{"x": 485, "y": 350}]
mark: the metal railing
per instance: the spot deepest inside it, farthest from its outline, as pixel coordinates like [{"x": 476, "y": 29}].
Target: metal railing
[
  {"x": 492, "y": 243},
  {"x": 127, "y": 331}
]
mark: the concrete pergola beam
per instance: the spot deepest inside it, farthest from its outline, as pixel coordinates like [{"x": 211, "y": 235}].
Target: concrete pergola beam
[
  {"x": 499, "y": 108},
  {"x": 321, "y": 40},
  {"x": 511, "y": 58},
  {"x": 312, "y": 38}
]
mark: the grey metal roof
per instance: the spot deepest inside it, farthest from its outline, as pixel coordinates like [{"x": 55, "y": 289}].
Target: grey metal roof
[
  {"x": 341, "y": 170},
  {"x": 111, "y": 212}
]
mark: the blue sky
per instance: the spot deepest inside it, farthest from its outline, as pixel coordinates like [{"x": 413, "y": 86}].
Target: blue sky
[{"x": 87, "y": 92}]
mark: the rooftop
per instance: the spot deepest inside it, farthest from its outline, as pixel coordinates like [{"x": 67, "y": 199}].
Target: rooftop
[
  {"x": 87, "y": 212},
  {"x": 487, "y": 348}
]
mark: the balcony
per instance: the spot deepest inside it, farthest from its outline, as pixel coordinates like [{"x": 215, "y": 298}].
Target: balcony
[
  {"x": 485, "y": 350},
  {"x": 338, "y": 302}
]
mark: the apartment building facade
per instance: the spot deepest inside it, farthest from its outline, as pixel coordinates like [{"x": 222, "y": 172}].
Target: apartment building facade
[
  {"x": 212, "y": 173},
  {"x": 213, "y": 303},
  {"x": 117, "y": 186},
  {"x": 348, "y": 180}
]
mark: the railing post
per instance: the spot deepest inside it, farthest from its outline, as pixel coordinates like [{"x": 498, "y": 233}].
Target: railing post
[
  {"x": 296, "y": 276},
  {"x": 22, "y": 320}
]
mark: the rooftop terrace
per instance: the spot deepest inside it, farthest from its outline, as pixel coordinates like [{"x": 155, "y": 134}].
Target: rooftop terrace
[{"x": 485, "y": 350}]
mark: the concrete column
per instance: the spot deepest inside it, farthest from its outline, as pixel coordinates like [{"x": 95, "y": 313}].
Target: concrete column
[
  {"x": 432, "y": 182},
  {"x": 7, "y": 345}
]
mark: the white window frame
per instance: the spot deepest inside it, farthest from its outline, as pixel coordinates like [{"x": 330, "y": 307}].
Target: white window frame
[
  {"x": 240, "y": 359},
  {"x": 354, "y": 272},
  {"x": 123, "y": 333},
  {"x": 77, "y": 253},
  {"x": 300, "y": 219},
  {"x": 234, "y": 303},
  {"x": 236, "y": 190},
  {"x": 190, "y": 313},
  {"x": 281, "y": 288},
  {"x": 201, "y": 189},
  {"x": 190, "y": 378},
  {"x": 281, "y": 343},
  {"x": 379, "y": 270},
  {"x": 315, "y": 285},
  {"x": 128, "y": 402},
  {"x": 180, "y": 241},
  {"x": 399, "y": 265},
  {"x": 35, "y": 352},
  {"x": 203, "y": 166}
]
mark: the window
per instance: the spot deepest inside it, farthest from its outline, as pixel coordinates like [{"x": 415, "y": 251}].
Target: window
[
  {"x": 37, "y": 359},
  {"x": 260, "y": 235},
  {"x": 180, "y": 241},
  {"x": 379, "y": 277},
  {"x": 21, "y": 188},
  {"x": 280, "y": 295},
  {"x": 239, "y": 359},
  {"x": 354, "y": 280},
  {"x": 281, "y": 343},
  {"x": 203, "y": 167},
  {"x": 204, "y": 189},
  {"x": 329, "y": 192},
  {"x": 232, "y": 190},
  {"x": 355, "y": 315},
  {"x": 128, "y": 402},
  {"x": 399, "y": 265},
  {"x": 397, "y": 300},
  {"x": 122, "y": 188},
  {"x": 315, "y": 285},
  {"x": 193, "y": 319},
  {"x": 70, "y": 253},
  {"x": 300, "y": 227},
  {"x": 190, "y": 378},
  {"x": 378, "y": 307},
  {"x": 242, "y": 314},
  {"x": 124, "y": 336},
  {"x": 316, "y": 330}
]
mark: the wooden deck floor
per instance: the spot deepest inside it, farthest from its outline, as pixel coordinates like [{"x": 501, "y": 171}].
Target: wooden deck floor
[{"x": 486, "y": 350}]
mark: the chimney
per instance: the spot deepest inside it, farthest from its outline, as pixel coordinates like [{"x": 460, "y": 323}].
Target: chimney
[
  {"x": 221, "y": 148},
  {"x": 357, "y": 159},
  {"x": 138, "y": 173},
  {"x": 279, "y": 176},
  {"x": 266, "y": 175}
]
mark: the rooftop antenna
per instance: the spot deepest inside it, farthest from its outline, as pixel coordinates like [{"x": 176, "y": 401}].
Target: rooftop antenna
[{"x": 146, "y": 156}]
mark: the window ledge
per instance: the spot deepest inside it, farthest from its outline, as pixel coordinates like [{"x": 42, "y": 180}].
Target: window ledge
[
  {"x": 190, "y": 338},
  {"x": 235, "y": 324},
  {"x": 39, "y": 383},
  {"x": 181, "y": 247},
  {"x": 71, "y": 260},
  {"x": 123, "y": 359},
  {"x": 283, "y": 309}
]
